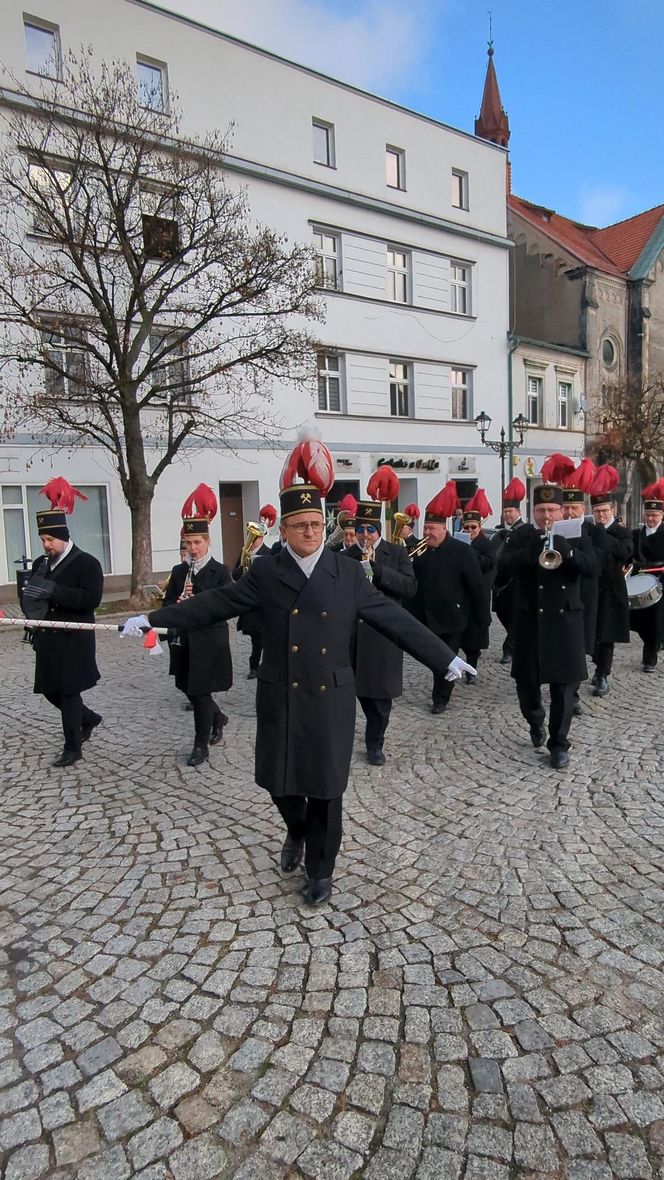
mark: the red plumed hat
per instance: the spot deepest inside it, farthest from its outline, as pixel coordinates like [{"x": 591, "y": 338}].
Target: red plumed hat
[
  {"x": 444, "y": 504},
  {"x": 384, "y": 484},
  {"x": 605, "y": 482},
  {"x": 310, "y": 461},
  {"x": 202, "y": 503},
  {"x": 61, "y": 494},
  {"x": 514, "y": 493},
  {"x": 653, "y": 495},
  {"x": 268, "y": 514},
  {"x": 413, "y": 511},
  {"x": 348, "y": 504},
  {"x": 581, "y": 477},
  {"x": 479, "y": 504},
  {"x": 556, "y": 468}
]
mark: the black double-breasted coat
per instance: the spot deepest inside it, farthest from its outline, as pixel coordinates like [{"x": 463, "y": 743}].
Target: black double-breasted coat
[
  {"x": 476, "y": 634},
  {"x": 450, "y": 590},
  {"x": 250, "y": 622},
  {"x": 66, "y": 660},
  {"x": 201, "y": 663},
  {"x": 548, "y": 629},
  {"x": 504, "y": 591},
  {"x": 377, "y": 661},
  {"x": 614, "y": 547},
  {"x": 649, "y": 551},
  {"x": 305, "y": 702}
]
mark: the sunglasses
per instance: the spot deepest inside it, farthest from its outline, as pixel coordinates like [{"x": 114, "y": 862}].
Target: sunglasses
[{"x": 369, "y": 529}]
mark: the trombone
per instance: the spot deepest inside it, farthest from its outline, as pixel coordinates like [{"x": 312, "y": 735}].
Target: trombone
[
  {"x": 549, "y": 558},
  {"x": 400, "y": 520},
  {"x": 418, "y": 549}
]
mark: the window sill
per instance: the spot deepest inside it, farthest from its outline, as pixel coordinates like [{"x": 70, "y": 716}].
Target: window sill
[
  {"x": 394, "y": 418},
  {"x": 322, "y": 164},
  {"x": 397, "y": 188},
  {"x": 457, "y": 315}
]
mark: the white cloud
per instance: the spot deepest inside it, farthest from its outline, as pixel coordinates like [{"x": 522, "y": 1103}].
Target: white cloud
[
  {"x": 375, "y": 44},
  {"x": 602, "y": 204}
]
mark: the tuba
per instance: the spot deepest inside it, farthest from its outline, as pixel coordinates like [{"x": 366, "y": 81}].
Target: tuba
[
  {"x": 254, "y": 531},
  {"x": 549, "y": 558}
]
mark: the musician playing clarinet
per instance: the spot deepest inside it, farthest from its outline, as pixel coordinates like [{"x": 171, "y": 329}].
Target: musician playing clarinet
[
  {"x": 201, "y": 662},
  {"x": 649, "y": 555},
  {"x": 65, "y": 586}
]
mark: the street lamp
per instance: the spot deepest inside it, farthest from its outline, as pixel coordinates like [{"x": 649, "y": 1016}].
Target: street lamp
[{"x": 505, "y": 446}]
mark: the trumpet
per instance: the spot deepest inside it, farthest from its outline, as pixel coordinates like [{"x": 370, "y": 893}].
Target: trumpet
[
  {"x": 337, "y": 536},
  {"x": 418, "y": 549},
  {"x": 401, "y": 519},
  {"x": 549, "y": 558},
  {"x": 254, "y": 531}
]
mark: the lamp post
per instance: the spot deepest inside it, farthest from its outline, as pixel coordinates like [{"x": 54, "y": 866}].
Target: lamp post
[{"x": 506, "y": 446}]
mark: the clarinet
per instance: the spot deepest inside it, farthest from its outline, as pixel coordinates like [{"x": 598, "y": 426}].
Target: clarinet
[{"x": 186, "y": 589}]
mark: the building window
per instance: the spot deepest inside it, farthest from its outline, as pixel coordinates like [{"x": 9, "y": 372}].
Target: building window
[
  {"x": 49, "y": 187},
  {"x": 395, "y": 167},
  {"x": 459, "y": 189},
  {"x": 152, "y": 84},
  {"x": 328, "y": 251},
  {"x": 460, "y": 288},
  {"x": 461, "y": 391},
  {"x": 397, "y": 275},
  {"x": 170, "y": 376},
  {"x": 161, "y": 233},
  {"x": 399, "y": 389},
  {"x": 324, "y": 152},
  {"x": 66, "y": 368},
  {"x": 42, "y": 48},
  {"x": 608, "y": 353},
  {"x": 89, "y": 523},
  {"x": 534, "y": 400},
  {"x": 329, "y": 382},
  {"x": 564, "y": 403}
]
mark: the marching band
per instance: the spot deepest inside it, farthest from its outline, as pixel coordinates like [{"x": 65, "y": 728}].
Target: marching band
[{"x": 328, "y": 622}]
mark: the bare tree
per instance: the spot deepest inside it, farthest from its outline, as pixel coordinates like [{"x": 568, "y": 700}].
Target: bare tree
[
  {"x": 627, "y": 426},
  {"x": 140, "y": 307}
]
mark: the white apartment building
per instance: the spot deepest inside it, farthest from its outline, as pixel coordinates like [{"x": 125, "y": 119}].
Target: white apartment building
[{"x": 408, "y": 218}]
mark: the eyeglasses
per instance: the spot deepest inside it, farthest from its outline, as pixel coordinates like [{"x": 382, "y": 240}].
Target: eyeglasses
[
  {"x": 369, "y": 529},
  {"x": 310, "y": 525}
]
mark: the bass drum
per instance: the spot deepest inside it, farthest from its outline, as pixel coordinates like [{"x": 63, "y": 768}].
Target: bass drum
[{"x": 643, "y": 590}]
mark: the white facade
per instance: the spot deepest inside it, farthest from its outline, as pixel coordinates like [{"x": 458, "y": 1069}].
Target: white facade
[{"x": 417, "y": 287}]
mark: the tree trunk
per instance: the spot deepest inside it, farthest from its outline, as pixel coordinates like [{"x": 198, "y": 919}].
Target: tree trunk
[{"x": 141, "y": 547}]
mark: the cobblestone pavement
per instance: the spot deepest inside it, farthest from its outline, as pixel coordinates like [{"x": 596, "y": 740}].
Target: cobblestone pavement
[{"x": 481, "y": 999}]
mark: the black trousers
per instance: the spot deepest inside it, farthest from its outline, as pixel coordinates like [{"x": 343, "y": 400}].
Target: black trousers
[
  {"x": 472, "y": 657},
  {"x": 318, "y": 823},
  {"x": 377, "y": 712},
  {"x": 646, "y": 623},
  {"x": 560, "y": 713},
  {"x": 603, "y": 658},
  {"x": 75, "y": 716},
  {"x": 442, "y": 688},
  {"x": 256, "y": 651},
  {"x": 205, "y": 711}
]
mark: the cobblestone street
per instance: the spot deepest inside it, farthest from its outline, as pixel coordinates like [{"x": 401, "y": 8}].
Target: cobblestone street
[{"x": 483, "y": 997}]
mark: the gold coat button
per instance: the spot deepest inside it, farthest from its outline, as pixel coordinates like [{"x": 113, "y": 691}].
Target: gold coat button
[
  {"x": 323, "y": 614},
  {"x": 323, "y": 687},
  {"x": 295, "y": 684},
  {"x": 563, "y": 587},
  {"x": 295, "y": 647},
  {"x": 541, "y": 610},
  {"x": 323, "y": 651},
  {"x": 295, "y": 610}
]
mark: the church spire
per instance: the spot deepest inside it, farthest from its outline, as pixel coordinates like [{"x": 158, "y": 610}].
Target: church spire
[{"x": 492, "y": 123}]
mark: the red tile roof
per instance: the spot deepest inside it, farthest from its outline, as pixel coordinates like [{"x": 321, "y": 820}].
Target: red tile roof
[
  {"x": 624, "y": 241},
  {"x": 613, "y": 249}
]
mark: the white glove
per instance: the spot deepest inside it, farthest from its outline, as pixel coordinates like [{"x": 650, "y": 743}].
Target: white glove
[
  {"x": 457, "y": 668},
  {"x": 134, "y": 626}
]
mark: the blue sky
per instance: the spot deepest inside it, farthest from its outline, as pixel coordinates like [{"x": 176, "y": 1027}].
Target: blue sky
[{"x": 581, "y": 80}]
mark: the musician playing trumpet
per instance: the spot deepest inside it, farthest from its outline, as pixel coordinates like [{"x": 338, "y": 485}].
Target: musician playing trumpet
[
  {"x": 548, "y": 619},
  {"x": 201, "y": 662},
  {"x": 250, "y": 623}
]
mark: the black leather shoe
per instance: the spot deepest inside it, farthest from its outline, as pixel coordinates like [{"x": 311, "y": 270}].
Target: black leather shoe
[
  {"x": 595, "y": 678},
  {"x": 577, "y": 711},
  {"x": 217, "y": 733},
  {"x": 252, "y": 674},
  {"x": 198, "y": 754},
  {"x": 86, "y": 730},
  {"x": 470, "y": 679},
  {"x": 537, "y": 736},
  {"x": 68, "y": 758},
  {"x": 601, "y": 687},
  {"x": 440, "y": 707},
  {"x": 648, "y": 668},
  {"x": 291, "y": 854},
  {"x": 189, "y": 708},
  {"x": 559, "y": 759},
  {"x": 505, "y": 659},
  {"x": 375, "y": 757},
  {"x": 318, "y": 891}
]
